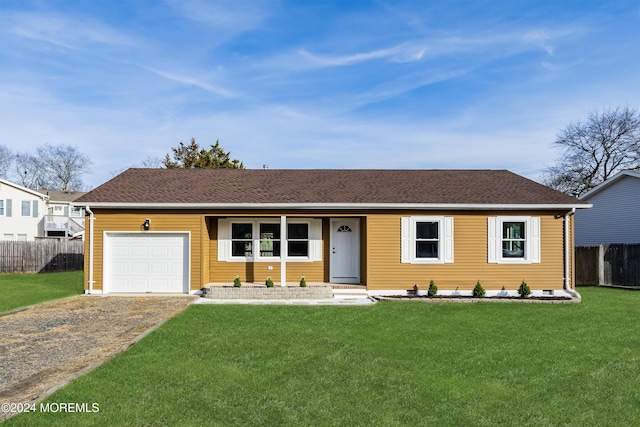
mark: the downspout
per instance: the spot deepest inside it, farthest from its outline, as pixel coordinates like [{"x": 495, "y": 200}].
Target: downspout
[
  {"x": 91, "y": 219},
  {"x": 567, "y": 259}
]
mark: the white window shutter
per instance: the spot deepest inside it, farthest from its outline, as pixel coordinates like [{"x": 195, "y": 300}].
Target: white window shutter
[
  {"x": 405, "y": 243},
  {"x": 224, "y": 239},
  {"x": 448, "y": 240},
  {"x": 315, "y": 239},
  {"x": 535, "y": 240},
  {"x": 492, "y": 240}
]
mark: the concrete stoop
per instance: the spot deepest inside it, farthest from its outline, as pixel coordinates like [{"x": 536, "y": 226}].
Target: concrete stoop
[
  {"x": 264, "y": 293},
  {"x": 350, "y": 293}
]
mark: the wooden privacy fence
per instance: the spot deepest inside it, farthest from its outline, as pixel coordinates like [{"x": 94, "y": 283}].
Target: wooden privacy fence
[
  {"x": 41, "y": 256},
  {"x": 608, "y": 265}
]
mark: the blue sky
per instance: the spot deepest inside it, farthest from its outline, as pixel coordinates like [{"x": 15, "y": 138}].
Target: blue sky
[{"x": 313, "y": 84}]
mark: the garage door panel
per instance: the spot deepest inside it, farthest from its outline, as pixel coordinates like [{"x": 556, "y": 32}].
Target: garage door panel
[
  {"x": 175, "y": 268},
  {"x": 152, "y": 262},
  {"x": 120, "y": 267},
  {"x": 119, "y": 252},
  {"x": 161, "y": 285},
  {"x": 163, "y": 268},
  {"x": 140, "y": 251},
  {"x": 160, "y": 251},
  {"x": 138, "y": 285},
  {"x": 139, "y": 268}
]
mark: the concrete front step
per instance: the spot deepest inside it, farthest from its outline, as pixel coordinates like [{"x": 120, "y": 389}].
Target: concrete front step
[{"x": 350, "y": 293}]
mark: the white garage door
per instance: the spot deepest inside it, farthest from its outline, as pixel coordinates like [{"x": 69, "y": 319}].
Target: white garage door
[{"x": 146, "y": 262}]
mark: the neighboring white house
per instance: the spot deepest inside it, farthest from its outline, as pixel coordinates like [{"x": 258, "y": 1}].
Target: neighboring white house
[
  {"x": 27, "y": 214},
  {"x": 615, "y": 215},
  {"x": 21, "y": 212}
]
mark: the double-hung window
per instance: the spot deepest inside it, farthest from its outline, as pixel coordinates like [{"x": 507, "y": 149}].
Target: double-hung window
[
  {"x": 269, "y": 240},
  {"x": 298, "y": 240},
  {"x": 26, "y": 208},
  {"x": 513, "y": 240},
  {"x": 427, "y": 240},
  {"x": 242, "y": 239},
  {"x": 1, "y": 207}
]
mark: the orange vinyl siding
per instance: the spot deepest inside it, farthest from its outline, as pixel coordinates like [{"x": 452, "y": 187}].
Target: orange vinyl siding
[
  {"x": 380, "y": 236},
  {"x": 120, "y": 220},
  {"x": 385, "y": 271}
]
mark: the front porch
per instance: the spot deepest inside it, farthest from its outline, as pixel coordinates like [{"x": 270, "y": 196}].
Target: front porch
[{"x": 326, "y": 250}]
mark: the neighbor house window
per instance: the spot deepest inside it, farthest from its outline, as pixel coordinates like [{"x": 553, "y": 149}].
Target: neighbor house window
[
  {"x": 26, "y": 208},
  {"x": 77, "y": 211},
  {"x": 22, "y": 237},
  {"x": 514, "y": 240},
  {"x": 427, "y": 240},
  {"x": 7, "y": 236},
  {"x": 298, "y": 240},
  {"x": 241, "y": 239},
  {"x": 1, "y": 207}
]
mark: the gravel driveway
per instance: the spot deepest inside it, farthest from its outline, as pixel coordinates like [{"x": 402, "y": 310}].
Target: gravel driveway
[{"x": 44, "y": 345}]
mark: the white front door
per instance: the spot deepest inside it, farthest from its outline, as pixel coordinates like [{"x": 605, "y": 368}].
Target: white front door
[{"x": 345, "y": 250}]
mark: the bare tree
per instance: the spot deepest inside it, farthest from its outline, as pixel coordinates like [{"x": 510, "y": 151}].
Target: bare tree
[
  {"x": 6, "y": 159},
  {"x": 594, "y": 150},
  {"x": 150, "y": 162},
  {"x": 28, "y": 171},
  {"x": 55, "y": 167}
]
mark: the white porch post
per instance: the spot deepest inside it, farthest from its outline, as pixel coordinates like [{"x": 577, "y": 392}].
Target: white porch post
[{"x": 283, "y": 251}]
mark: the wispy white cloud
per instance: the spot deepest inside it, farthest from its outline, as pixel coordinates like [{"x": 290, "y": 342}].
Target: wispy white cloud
[
  {"x": 192, "y": 81},
  {"x": 400, "y": 53},
  {"x": 488, "y": 45},
  {"x": 225, "y": 15},
  {"x": 62, "y": 30}
]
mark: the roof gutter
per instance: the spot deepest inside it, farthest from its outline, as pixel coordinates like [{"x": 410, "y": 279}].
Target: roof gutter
[{"x": 339, "y": 206}]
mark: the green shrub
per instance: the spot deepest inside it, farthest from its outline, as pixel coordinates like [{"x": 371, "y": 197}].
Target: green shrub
[
  {"x": 269, "y": 282},
  {"x": 303, "y": 283},
  {"x": 236, "y": 282},
  {"x": 524, "y": 290},
  {"x": 478, "y": 291},
  {"x": 433, "y": 289}
]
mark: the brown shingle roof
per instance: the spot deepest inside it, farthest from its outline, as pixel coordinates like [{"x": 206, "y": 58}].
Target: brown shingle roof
[{"x": 323, "y": 186}]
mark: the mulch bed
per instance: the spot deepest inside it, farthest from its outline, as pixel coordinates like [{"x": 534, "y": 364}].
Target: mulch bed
[
  {"x": 47, "y": 343},
  {"x": 470, "y": 298}
]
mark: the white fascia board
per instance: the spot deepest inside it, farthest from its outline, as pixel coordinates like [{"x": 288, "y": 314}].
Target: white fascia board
[
  {"x": 335, "y": 206},
  {"x": 25, "y": 189}
]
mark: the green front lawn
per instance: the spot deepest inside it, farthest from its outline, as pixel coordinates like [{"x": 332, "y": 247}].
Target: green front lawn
[
  {"x": 395, "y": 363},
  {"x": 19, "y": 290}
]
